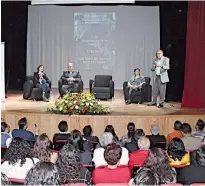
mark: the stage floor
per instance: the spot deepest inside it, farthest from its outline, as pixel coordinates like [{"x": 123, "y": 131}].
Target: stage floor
[
  {"x": 16, "y": 103},
  {"x": 121, "y": 114}
]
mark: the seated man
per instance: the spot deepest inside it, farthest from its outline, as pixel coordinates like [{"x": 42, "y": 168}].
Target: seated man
[
  {"x": 23, "y": 133},
  {"x": 199, "y": 129},
  {"x": 176, "y": 133},
  {"x": 70, "y": 80},
  {"x": 135, "y": 83},
  {"x": 6, "y": 138}
]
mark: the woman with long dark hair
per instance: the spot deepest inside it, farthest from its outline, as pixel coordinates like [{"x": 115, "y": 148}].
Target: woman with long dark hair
[
  {"x": 42, "y": 149},
  {"x": 18, "y": 159},
  {"x": 68, "y": 164},
  {"x": 177, "y": 153},
  {"x": 41, "y": 81},
  {"x": 83, "y": 147},
  {"x": 110, "y": 128},
  {"x": 43, "y": 173},
  {"x": 158, "y": 163}
]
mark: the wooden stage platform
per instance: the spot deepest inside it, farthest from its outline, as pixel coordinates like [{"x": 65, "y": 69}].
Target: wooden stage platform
[{"x": 143, "y": 116}]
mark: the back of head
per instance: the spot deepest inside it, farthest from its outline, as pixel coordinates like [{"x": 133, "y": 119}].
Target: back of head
[
  {"x": 19, "y": 149},
  {"x": 87, "y": 130},
  {"x": 68, "y": 164},
  {"x": 76, "y": 140},
  {"x": 186, "y": 128},
  {"x": 43, "y": 173},
  {"x": 22, "y": 123},
  {"x": 155, "y": 130},
  {"x": 42, "y": 148},
  {"x": 140, "y": 132},
  {"x": 177, "y": 125},
  {"x": 63, "y": 126},
  {"x": 106, "y": 139},
  {"x": 130, "y": 129},
  {"x": 145, "y": 176},
  {"x": 3, "y": 126},
  {"x": 200, "y": 156},
  {"x": 176, "y": 149},
  {"x": 143, "y": 143},
  {"x": 200, "y": 124},
  {"x": 110, "y": 128},
  {"x": 112, "y": 154}
]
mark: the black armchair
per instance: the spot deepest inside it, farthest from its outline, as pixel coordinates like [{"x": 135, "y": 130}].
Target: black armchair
[
  {"x": 144, "y": 95},
  {"x": 31, "y": 92},
  {"x": 60, "y": 84},
  {"x": 102, "y": 87}
]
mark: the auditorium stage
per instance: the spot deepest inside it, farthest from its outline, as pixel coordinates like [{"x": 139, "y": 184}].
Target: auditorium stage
[{"x": 143, "y": 116}]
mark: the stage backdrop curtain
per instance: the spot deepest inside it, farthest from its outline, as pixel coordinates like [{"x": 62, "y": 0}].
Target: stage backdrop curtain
[
  {"x": 110, "y": 40},
  {"x": 194, "y": 84}
]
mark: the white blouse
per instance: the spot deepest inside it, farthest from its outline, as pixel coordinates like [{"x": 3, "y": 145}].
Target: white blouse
[
  {"x": 99, "y": 160},
  {"x": 16, "y": 171}
]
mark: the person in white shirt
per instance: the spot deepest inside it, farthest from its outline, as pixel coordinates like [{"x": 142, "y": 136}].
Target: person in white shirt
[
  {"x": 98, "y": 155},
  {"x": 18, "y": 159}
]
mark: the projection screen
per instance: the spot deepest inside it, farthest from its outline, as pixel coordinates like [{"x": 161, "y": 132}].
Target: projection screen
[{"x": 110, "y": 40}]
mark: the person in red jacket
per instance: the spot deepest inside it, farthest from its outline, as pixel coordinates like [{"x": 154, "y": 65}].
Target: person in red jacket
[{"x": 112, "y": 173}]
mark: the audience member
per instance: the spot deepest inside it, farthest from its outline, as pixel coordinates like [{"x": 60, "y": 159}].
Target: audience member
[
  {"x": 195, "y": 173},
  {"x": 110, "y": 128},
  {"x": 63, "y": 134},
  {"x": 87, "y": 134},
  {"x": 43, "y": 173},
  {"x": 69, "y": 168},
  {"x": 112, "y": 173},
  {"x": 177, "y": 153},
  {"x": 18, "y": 159},
  {"x": 98, "y": 155},
  {"x": 132, "y": 146},
  {"x": 139, "y": 157},
  {"x": 158, "y": 163},
  {"x": 199, "y": 129},
  {"x": 83, "y": 147},
  {"x": 130, "y": 133},
  {"x": 4, "y": 180},
  {"x": 5, "y": 136},
  {"x": 145, "y": 176},
  {"x": 42, "y": 149},
  {"x": 176, "y": 133},
  {"x": 155, "y": 138},
  {"x": 23, "y": 133},
  {"x": 190, "y": 142}
]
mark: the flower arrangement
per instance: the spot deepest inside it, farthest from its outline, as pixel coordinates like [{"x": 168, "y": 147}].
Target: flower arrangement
[{"x": 78, "y": 103}]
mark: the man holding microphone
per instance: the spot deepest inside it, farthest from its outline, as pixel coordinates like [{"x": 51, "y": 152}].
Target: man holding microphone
[{"x": 160, "y": 66}]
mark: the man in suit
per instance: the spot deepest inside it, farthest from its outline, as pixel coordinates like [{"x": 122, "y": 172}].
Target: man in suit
[
  {"x": 70, "y": 80},
  {"x": 160, "y": 66}
]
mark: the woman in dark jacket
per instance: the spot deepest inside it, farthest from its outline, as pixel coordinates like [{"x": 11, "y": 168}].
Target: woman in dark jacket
[{"x": 41, "y": 81}]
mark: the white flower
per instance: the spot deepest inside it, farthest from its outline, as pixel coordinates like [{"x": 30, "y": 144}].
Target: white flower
[
  {"x": 91, "y": 104},
  {"x": 76, "y": 106},
  {"x": 87, "y": 104},
  {"x": 83, "y": 100},
  {"x": 74, "y": 102},
  {"x": 61, "y": 108}
]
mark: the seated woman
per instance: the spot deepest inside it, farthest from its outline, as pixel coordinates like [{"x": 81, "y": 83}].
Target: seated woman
[
  {"x": 42, "y": 149},
  {"x": 43, "y": 173},
  {"x": 98, "y": 155},
  {"x": 112, "y": 173},
  {"x": 18, "y": 159},
  {"x": 110, "y": 128},
  {"x": 41, "y": 81},
  {"x": 69, "y": 169},
  {"x": 130, "y": 133},
  {"x": 177, "y": 153},
  {"x": 83, "y": 147},
  {"x": 158, "y": 163}
]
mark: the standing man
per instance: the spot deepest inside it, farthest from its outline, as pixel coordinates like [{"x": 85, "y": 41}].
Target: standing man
[
  {"x": 134, "y": 84},
  {"x": 70, "y": 80},
  {"x": 160, "y": 66}
]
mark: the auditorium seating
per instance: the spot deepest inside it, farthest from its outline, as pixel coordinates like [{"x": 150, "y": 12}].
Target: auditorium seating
[
  {"x": 30, "y": 92},
  {"x": 102, "y": 87}
]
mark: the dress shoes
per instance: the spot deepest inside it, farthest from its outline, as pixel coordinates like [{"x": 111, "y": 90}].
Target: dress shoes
[
  {"x": 152, "y": 104},
  {"x": 127, "y": 102},
  {"x": 160, "y": 105}
]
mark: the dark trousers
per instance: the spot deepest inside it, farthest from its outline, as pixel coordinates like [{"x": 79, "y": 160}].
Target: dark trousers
[{"x": 73, "y": 88}]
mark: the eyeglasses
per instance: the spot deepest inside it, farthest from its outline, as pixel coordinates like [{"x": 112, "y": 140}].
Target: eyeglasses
[{"x": 159, "y": 53}]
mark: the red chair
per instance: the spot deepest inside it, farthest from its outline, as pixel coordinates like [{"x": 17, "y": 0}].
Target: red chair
[
  {"x": 58, "y": 144},
  {"x": 197, "y": 184},
  {"x": 15, "y": 180},
  {"x": 75, "y": 184}
]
